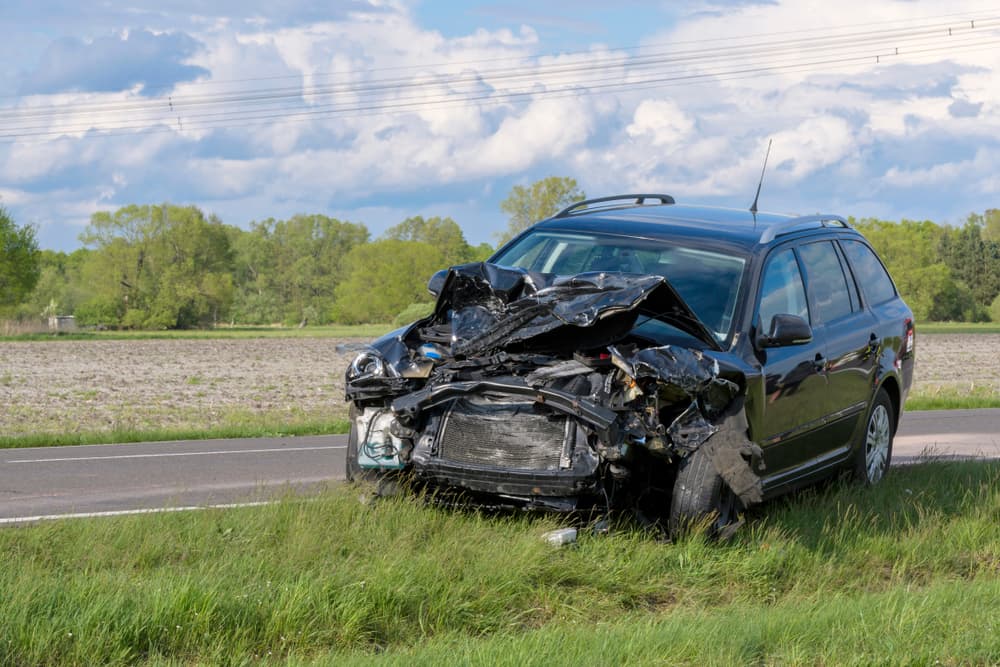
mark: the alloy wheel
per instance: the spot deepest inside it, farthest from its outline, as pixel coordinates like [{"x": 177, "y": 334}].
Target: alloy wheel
[{"x": 877, "y": 443}]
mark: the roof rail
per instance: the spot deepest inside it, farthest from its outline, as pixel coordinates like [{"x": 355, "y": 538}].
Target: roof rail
[
  {"x": 802, "y": 222},
  {"x": 638, "y": 200}
]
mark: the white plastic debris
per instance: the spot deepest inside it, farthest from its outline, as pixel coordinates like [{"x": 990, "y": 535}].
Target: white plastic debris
[{"x": 560, "y": 537}]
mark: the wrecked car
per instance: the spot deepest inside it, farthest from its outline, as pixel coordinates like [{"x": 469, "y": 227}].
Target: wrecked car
[{"x": 683, "y": 362}]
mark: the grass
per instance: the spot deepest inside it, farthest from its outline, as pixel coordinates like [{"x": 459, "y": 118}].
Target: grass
[
  {"x": 357, "y": 331},
  {"x": 906, "y": 573},
  {"x": 366, "y": 331},
  {"x": 947, "y": 401},
  {"x": 259, "y": 426},
  {"x": 954, "y": 397},
  {"x": 249, "y": 429},
  {"x": 958, "y": 327}
]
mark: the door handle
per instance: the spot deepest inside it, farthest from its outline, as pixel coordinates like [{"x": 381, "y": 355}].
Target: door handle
[
  {"x": 819, "y": 363},
  {"x": 873, "y": 345}
]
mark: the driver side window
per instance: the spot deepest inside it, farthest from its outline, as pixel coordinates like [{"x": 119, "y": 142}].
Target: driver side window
[{"x": 782, "y": 290}]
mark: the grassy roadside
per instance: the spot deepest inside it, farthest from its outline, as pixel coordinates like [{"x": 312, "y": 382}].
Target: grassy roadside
[
  {"x": 161, "y": 435},
  {"x": 906, "y": 573},
  {"x": 366, "y": 331},
  {"x": 260, "y": 428},
  {"x": 863, "y": 629},
  {"x": 952, "y": 402},
  {"x": 957, "y": 328}
]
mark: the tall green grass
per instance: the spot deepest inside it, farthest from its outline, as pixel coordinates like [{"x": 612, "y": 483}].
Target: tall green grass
[
  {"x": 906, "y": 573},
  {"x": 249, "y": 429},
  {"x": 366, "y": 331},
  {"x": 968, "y": 396},
  {"x": 958, "y": 327}
]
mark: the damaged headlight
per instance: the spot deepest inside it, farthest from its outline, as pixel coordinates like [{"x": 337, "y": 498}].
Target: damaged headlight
[{"x": 369, "y": 364}]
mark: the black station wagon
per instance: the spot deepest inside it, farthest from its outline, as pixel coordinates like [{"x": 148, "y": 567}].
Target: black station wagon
[{"x": 629, "y": 352}]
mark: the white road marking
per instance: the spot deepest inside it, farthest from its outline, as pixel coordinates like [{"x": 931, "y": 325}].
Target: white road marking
[
  {"x": 160, "y": 510},
  {"x": 163, "y": 455}
]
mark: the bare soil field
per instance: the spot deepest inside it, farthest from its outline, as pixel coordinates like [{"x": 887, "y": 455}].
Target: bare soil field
[
  {"x": 203, "y": 384},
  {"x": 85, "y": 386},
  {"x": 962, "y": 363}
]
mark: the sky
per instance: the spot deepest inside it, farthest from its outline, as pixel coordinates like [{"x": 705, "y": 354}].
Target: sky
[{"x": 376, "y": 110}]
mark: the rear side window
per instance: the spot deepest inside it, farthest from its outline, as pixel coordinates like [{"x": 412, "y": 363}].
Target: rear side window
[
  {"x": 871, "y": 274},
  {"x": 827, "y": 282},
  {"x": 781, "y": 289}
]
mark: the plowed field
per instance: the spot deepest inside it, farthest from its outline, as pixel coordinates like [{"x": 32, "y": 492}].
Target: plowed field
[{"x": 74, "y": 386}]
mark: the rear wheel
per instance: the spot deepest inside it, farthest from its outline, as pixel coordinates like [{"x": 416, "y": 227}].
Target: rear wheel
[
  {"x": 701, "y": 496},
  {"x": 874, "y": 453}
]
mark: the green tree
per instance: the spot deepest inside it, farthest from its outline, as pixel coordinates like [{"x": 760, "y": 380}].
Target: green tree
[
  {"x": 383, "y": 278},
  {"x": 995, "y": 310},
  {"x": 442, "y": 233},
  {"x": 910, "y": 251},
  {"x": 156, "y": 267},
  {"x": 287, "y": 270},
  {"x": 59, "y": 288},
  {"x": 973, "y": 259},
  {"x": 527, "y": 205},
  {"x": 481, "y": 252},
  {"x": 19, "y": 261},
  {"x": 991, "y": 224}
]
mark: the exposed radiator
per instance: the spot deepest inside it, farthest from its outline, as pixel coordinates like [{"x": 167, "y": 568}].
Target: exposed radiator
[{"x": 504, "y": 435}]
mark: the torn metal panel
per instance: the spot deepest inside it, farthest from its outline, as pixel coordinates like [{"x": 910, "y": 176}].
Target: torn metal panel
[
  {"x": 735, "y": 457},
  {"x": 690, "y": 430},
  {"x": 598, "y": 417},
  {"x": 561, "y": 370},
  {"x": 520, "y": 306},
  {"x": 531, "y": 388},
  {"x": 690, "y": 372}
]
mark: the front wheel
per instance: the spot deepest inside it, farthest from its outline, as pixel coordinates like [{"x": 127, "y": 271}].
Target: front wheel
[
  {"x": 874, "y": 453},
  {"x": 700, "y": 495}
]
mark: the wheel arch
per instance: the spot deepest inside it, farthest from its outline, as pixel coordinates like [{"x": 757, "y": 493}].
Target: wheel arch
[{"x": 891, "y": 386}]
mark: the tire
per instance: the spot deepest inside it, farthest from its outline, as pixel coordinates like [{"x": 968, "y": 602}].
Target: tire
[
  {"x": 874, "y": 452},
  {"x": 701, "y": 496}
]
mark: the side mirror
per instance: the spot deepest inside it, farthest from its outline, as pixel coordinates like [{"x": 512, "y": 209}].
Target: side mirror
[
  {"x": 436, "y": 282},
  {"x": 785, "y": 330}
]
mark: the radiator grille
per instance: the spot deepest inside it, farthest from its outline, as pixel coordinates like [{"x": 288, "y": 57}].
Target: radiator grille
[{"x": 502, "y": 435}]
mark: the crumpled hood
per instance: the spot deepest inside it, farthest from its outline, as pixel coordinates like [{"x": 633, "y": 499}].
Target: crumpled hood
[
  {"x": 495, "y": 307},
  {"x": 560, "y": 345}
]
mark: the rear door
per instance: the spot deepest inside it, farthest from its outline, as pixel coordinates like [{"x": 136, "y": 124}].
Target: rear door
[{"x": 850, "y": 338}]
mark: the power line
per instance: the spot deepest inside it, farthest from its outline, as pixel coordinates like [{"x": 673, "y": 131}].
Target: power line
[
  {"x": 586, "y": 78},
  {"x": 179, "y": 102},
  {"x": 830, "y": 31},
  {"x": 382, "y": 109}
]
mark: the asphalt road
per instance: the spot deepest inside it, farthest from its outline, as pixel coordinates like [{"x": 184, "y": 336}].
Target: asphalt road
[{"x": 47, "y": 482}]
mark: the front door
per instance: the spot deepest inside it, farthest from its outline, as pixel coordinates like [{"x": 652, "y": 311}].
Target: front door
[{"x": 789, "y": 407}]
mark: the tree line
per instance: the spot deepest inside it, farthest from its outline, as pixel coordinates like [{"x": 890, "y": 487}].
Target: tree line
[{"x": 167, "y": 266}]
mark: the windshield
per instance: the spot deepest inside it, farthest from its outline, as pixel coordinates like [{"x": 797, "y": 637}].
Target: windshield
[{"x": 708, "y": 281}]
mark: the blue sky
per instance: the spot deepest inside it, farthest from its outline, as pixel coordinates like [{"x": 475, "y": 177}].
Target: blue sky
[{"x": 375, "y": 111}]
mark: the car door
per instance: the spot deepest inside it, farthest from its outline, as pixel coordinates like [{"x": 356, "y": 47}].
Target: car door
[
  {"x": 789, "y": 408},
  {"x": 850, "y": 339}
]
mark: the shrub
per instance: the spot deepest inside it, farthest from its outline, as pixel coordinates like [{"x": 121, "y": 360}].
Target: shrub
[{"x": 414, "y": 311}]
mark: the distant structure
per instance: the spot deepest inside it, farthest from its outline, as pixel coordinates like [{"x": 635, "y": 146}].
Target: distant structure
[{"x": 62, "y": 323}]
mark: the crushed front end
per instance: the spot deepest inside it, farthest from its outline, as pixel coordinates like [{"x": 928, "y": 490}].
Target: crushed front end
[{"x": 533, "y": 390}]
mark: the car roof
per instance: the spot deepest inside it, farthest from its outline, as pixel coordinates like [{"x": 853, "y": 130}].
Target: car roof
[{"x": 737, "y": 227}]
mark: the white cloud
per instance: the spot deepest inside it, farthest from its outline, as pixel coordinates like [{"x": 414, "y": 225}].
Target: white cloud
[
  {"x": 839, "y": 129},
  {"x": 546, "y": 130},
  {"x": 660, "y": 123}
]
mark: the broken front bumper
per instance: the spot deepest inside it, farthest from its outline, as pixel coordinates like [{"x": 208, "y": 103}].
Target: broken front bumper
[
  {"x": 496, "y": 436},
  {"x": 508, "y": 446}
]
